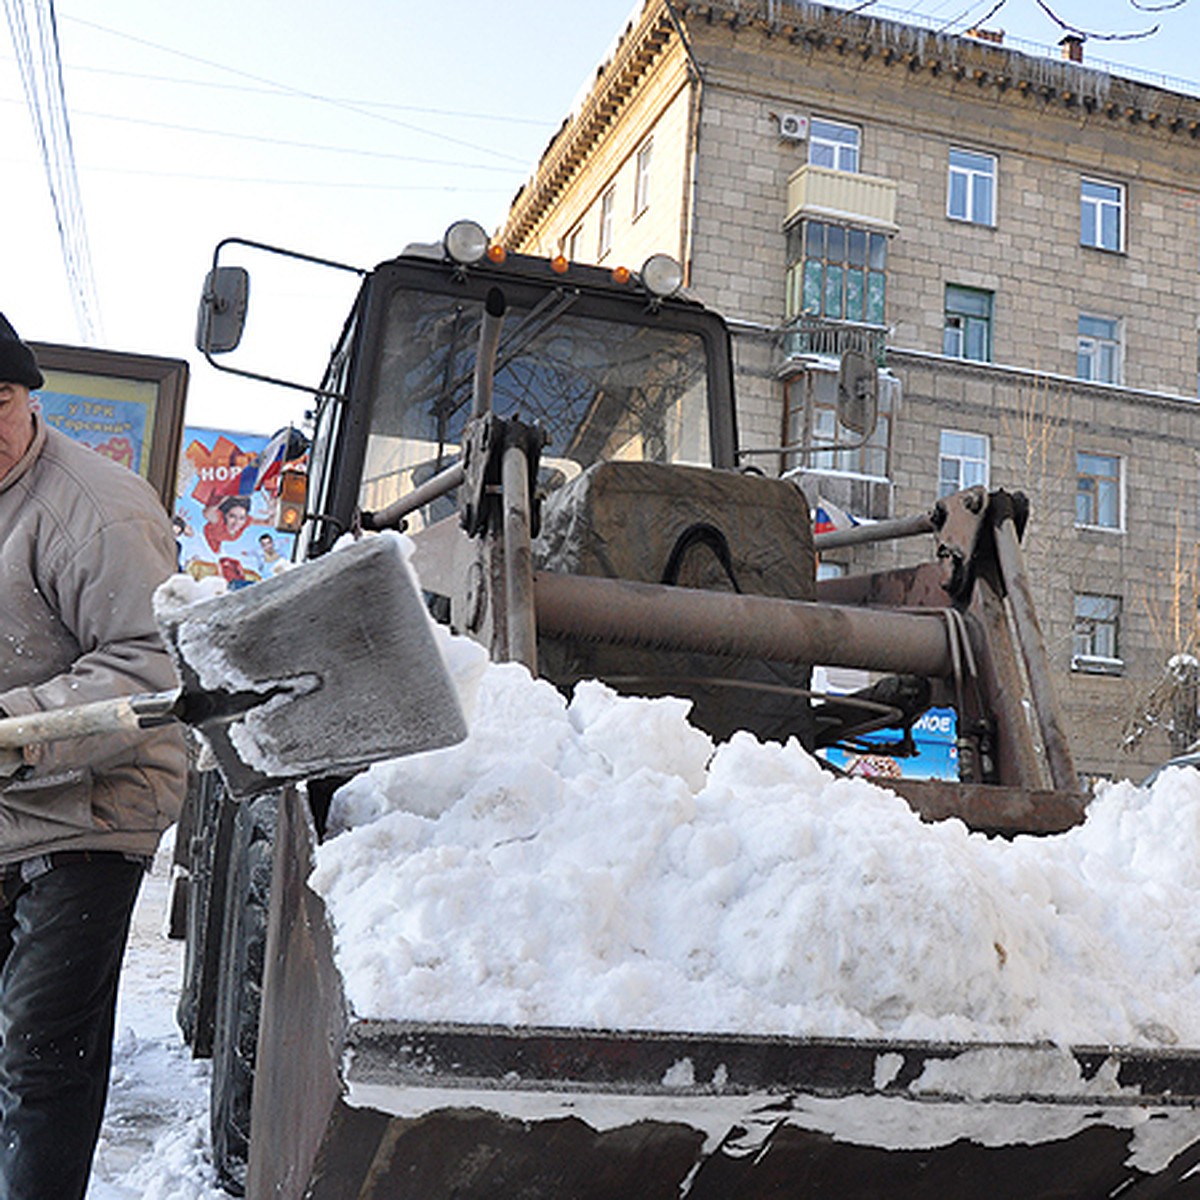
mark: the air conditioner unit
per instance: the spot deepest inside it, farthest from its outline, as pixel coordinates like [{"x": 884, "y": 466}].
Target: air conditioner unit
[{"x": 793, "y": 127}]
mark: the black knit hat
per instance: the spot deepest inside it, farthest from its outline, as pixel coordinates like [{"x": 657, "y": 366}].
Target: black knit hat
[{"x": 17, "y": 364}]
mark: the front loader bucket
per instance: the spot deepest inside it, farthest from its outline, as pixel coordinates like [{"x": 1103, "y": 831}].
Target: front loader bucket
[
  {"x": 475, "y": 1113},
  {"x": 362, "y": 1110}
]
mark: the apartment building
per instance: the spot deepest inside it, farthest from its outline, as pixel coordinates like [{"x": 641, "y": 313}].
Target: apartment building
[{"x": 1014, "y": 238}]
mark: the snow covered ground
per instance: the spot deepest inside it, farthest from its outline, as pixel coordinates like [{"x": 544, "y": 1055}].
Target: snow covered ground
[{"x": 154, "y": 1142}]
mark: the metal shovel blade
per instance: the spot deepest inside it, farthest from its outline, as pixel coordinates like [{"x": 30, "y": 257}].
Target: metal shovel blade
[{"x": 318, "y": 671}]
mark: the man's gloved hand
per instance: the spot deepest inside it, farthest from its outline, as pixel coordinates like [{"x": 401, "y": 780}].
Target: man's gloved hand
[{"x": 11, "y": 761}]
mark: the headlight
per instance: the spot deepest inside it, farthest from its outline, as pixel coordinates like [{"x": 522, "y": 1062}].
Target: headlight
[
  {"x": 661, "y": 275},
  {"x": 466, "y": 242}
]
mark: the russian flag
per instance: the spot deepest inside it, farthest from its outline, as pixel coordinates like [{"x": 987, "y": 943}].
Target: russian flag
[
  {"x": 827, "y": 517},
  {"x": 274, "y": 455}
]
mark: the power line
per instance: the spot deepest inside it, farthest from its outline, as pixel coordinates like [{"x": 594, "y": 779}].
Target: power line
[
  {"x": 322, "y": 147},
  {"x": 209, "y": 177},
  {"x": 272, "y": 90},
  {"x": 35, "y": 39},
  {"x": 288, "y": 89},
  {"x": 299, "y": 145},
  {"x": 424, "y": 110}
]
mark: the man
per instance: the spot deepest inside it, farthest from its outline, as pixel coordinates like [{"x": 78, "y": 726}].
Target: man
[
  {"x": 270, "y": 561},
  {"x": 83, "y": 544}
]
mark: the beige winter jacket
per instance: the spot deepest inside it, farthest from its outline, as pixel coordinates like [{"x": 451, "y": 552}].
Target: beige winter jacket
[{"x": 83, "y": 544}]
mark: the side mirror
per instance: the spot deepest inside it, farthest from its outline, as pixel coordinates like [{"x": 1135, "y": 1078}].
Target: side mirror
[
  {"x": 222, "y": 315},
  {"x": 858, "y": 393}
]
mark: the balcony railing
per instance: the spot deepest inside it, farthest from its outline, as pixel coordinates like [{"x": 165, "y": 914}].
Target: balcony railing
[{"x": 807, "y": 335}]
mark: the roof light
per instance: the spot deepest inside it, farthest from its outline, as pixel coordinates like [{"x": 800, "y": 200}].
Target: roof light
[
  {"x": 496, "y": 253},
  {"x": 661, "y": 275},
  {"x": 621, "y": 274},
  {"x": 465, "y": 242},
  {"x": 559, "y": 264}
]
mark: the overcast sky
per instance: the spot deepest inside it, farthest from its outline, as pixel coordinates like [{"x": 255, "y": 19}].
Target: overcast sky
[{"x": 343, "y": 130}]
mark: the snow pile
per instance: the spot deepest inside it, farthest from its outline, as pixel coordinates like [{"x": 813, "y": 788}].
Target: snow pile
[{"x": 602, "y": 864}]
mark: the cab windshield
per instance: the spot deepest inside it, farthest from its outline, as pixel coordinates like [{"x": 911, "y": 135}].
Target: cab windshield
[{"x": 600, "y": 389}]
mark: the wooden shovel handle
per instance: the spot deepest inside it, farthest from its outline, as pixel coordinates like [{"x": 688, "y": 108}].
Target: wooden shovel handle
[{"x": 101, "y": 716}]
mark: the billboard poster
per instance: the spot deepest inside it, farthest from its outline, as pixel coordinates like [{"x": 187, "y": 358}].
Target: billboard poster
[
  {"x": 934, "y": 732},
  {"x": 113, "y": 416},
  {"x": 223, "y": 517},
  {"x": 128, "y": 407}
]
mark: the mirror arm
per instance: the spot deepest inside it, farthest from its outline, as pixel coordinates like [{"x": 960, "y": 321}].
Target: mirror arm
[{"x": 309, "y": 258}]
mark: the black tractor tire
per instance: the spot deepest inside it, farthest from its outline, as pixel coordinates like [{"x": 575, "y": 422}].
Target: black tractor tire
[
  {"x": 207, "y": 832},
  {"x": 239, "y": 995}
]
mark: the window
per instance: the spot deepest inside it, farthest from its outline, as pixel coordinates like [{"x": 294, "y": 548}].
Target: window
[
  {"x": 836, "y": 272},
  {"x": 641, "y": 183},
  {"x": 570, "y": 371},
  {"x": 573, "y": 242},
  {"x": 962, "y": 461},
  {"x": 606, "y": 222},
  {"x": 968, "y": 326},
  {"x": 811, "y": 421},
  {"x": 831, "y": 144},
  {"x": 1095, "y": 645},
  {"x": 1099, "y": 356},
  {"x": 1097, "y": 490},
  {"x": 1102, "y": 215},
  {"x": 971, "y": 192}
]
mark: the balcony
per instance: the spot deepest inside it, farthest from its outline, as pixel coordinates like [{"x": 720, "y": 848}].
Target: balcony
[
  {"x": 868, "y": 201},
  {"x": 809, "y": 336}
]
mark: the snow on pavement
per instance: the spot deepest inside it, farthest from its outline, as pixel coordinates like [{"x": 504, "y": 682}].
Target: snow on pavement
[{"x": 154, "y": 1140}]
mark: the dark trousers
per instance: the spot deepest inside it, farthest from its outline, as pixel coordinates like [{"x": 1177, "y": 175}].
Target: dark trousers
[{"x": 62, "y": 938}]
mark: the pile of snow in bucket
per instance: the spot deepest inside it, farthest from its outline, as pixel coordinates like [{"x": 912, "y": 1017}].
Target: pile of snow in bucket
[{"x": 601, "y": 863}]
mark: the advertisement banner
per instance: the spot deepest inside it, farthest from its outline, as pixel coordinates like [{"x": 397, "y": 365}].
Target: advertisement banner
[
  {"x": 128, "y": 407},
  {"x": 224, "y": 523},
  {"x": 113, "y": 416},
  {"x": 934, "y": 732}
]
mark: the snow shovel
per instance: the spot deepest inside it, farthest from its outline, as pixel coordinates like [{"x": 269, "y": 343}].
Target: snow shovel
[{"x": 318, "y": 671}]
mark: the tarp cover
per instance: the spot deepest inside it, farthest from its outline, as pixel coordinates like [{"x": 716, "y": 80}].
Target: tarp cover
[{"x": 697, "y": 528}]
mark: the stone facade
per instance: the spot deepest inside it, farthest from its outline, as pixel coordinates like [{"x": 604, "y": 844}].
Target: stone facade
[{"x": 721, "y": 93}]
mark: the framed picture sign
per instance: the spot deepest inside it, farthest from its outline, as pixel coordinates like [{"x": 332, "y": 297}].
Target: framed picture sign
[{"x": 128, "y": 407}]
